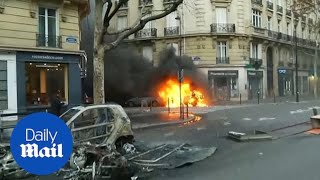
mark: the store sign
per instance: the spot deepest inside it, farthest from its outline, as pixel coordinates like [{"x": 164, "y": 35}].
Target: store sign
[
  {"x": 223, "y": 73},
  {"x": 282, "y": 71},
  {"x": 45, "y": 57},
  {"x": 255, "y": 73}
]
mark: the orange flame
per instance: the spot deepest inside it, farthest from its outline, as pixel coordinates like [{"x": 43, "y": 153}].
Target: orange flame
[{"x": 169, "y": 91}]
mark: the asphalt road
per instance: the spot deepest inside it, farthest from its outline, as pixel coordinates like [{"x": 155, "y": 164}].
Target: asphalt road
[{"x": 292, "y": 157}]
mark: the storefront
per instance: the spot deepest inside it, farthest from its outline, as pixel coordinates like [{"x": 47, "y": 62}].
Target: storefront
[
  {"x": 255, "y": 88},
  {"x": 285, "y": 82},
  {"x": 224, "y": 84},
  {"x": 41, "y": 75}
]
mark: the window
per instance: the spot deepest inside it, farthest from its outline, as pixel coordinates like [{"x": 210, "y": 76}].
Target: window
[
  {"x": 43, "y": 80},
  {"x": 302, "y": 33},
  {"x": 256, "y": 51},
  {"x": 175, "y": 46},
  {"x": 279, "y": 2},
  {"x": 256, "y": 18},
  {"x": 234, "y": 87},
  {"x": 279, "y": 25},
  {"x": 269, "y": 23},
  {"x": 171, "y": 19},
  {"x": 147, "y": 52},
  {"x": 222, "y": 56},
  {"x": 122, "y": 22},
  {"x": 221, "y": 15},
  {"x": 48, "y": 27},
  {"x": 3, "y": 86}
]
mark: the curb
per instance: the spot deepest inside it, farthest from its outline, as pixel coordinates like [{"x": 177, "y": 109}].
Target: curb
[{"x": 155, "y": 125}]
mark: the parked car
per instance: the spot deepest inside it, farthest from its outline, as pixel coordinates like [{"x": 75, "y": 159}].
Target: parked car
[{"x": 150, "y": 101}]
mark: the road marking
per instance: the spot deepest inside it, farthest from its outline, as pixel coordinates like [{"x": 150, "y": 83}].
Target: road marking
[
  {"x": 169, "y": 134},
  {"x": 246, "y": 119},
  {"x": 201, "y": 128},
  {"x": 304, "y": 110},
  {"x": 266, "y": 119},
  {"x": 226, "y": 123}
]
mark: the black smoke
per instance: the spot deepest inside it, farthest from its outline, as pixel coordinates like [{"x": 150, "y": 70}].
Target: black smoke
[{"x": 128, "y": 74}]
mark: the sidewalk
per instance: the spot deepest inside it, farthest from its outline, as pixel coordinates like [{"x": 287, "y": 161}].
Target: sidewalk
[
  {"x": 157, "y": 119},
  {"x": 268, "y": 100}
]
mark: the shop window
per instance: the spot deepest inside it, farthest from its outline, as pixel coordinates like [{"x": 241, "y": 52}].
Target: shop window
[
  {"x": 3, "y": 86},
  {"x": 43, "y": 80},
  {"x": 234, "y": 90}
]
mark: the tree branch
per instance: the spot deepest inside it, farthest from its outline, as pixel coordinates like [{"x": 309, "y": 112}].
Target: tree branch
[{"x": 140, "y": 25}]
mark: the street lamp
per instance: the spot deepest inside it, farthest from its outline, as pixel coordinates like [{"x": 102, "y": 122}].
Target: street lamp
[
  {"x": 180, "y": 70},
  {"x": 296, "y": 52}
]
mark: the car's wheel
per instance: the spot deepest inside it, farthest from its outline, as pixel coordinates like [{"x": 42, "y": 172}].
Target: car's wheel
[
  {"x": 155, "y": 104},
  {"x": 130, "y": 104}
]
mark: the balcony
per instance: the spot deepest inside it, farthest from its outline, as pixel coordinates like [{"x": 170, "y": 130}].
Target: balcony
[
  {"x": 222, "y": 60},
  {"x": 279, "y": 9},
  {"x": 171, "y": 31},
  {"x": 145, "y": 2},
  {"x": 223, "y": 28},
  {"x": 258, "y": 2},
  {"x": 145, "y": 33},
  {"x": 269, "y": 5},
  {"x": 258, "y": 30},
  {"x": 288, "y": 12},
  {"x": 48, "y": 41},
  {"x": 168, "y": 1},
  {"x": 255, "y": 62}
]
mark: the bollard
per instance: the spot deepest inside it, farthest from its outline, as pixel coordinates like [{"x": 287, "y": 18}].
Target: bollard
[
  {"x": 1, "y": 129},
  {"x": 182, "y": 108},
  {"x": 315, "y": 111},
  {"x": 151, "y": 107},
  {"x": 274, "y": 98},
  {"x": 258, "y": 98},
  {"x": 240, "y": 99},
  {"x": 187, "y": 111}
]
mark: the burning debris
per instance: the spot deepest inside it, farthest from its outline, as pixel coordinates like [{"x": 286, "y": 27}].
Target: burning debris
[{"x": 170, "y": 93}]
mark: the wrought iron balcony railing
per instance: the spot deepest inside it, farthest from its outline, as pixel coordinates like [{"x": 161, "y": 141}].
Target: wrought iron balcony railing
[
  {"x": 144, "y": 33},
  {"x": 310, "y": 21},
  {"x": 222, "y": 60},
  {"x": 253, "y": 61},
  {"x": 270, "y": 5},
  {"x": 279, "y": 9},
  {"x": 303, "y": 18},
  {"x": 168, "y": 1},
  {"x": 259, "y": 2},
  {"x": 288, "y": 12},
  {"x": 223, "y": 28},
  {"x": 146, "y": 2},
  {"x": 171, "y": 31},
  {"x": 48, "y": 41},
  {"x": 259, "y": 30}
]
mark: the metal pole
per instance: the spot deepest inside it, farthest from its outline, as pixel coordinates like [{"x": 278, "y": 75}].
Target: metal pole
[
  {"x": 297, "y": 78},
  {"x": 240, "y": 99},
  {"x": 258, "y": 97},
  {"x": 187, "y": 110},
  {"x": 315, "y": 72},
  {"x": 169, "y": 105},
  {"x": 180, "y": 73},
  {"x": 180, "y": 69},
  {"x": 274, "y": 97}
]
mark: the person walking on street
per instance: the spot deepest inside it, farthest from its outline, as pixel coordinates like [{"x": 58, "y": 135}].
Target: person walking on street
[{"x": 56, "y": 104}]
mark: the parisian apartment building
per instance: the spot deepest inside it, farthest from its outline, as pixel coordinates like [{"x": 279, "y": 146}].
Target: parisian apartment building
[
  {"x": 246, "y": 48},
  {"x": 40, "y": 53}
]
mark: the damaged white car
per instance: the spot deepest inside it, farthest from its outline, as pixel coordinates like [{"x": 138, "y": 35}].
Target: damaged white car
[{"x": 100, "y": 133}]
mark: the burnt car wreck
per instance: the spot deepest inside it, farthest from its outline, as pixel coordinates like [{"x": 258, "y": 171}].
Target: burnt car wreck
[{"x": 104, "y": 148}]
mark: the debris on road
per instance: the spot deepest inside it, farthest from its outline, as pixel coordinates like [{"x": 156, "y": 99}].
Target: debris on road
[{"x": 255, "y": 135}]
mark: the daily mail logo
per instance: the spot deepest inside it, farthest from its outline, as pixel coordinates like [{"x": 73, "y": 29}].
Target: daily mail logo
[
  {"x": 41, "y": 143},
  {"x": 32, "y": 150}
]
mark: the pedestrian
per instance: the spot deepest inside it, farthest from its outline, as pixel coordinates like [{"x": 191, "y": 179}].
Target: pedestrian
[{"x": 56, "y": 104}]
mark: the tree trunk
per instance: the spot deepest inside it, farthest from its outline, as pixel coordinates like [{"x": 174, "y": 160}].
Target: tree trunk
[
  {"x": 98, "y": 77},
  {"x": 98, "y": 56}
]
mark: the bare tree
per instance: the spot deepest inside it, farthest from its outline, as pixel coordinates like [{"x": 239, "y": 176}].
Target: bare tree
[
  {"x": 102, "y": 29},
  {"x": 310, "y": 8}
]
